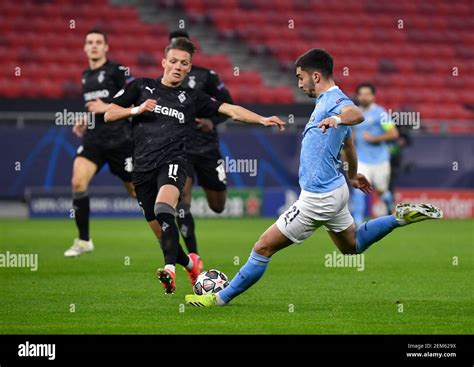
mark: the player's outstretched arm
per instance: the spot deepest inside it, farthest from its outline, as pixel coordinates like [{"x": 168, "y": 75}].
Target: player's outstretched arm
[
  {"x": 391, "y": 133},
  {"x": 242, "y": 114},
  {"x": 357, "y": 180},
  {"x": 115, "y": 112},
  {"x": 350, "y": 115}
]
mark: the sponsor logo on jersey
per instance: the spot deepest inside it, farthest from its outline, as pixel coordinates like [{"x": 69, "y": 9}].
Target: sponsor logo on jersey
[
  {"x": 192, "y": 81},
  {"x": 103, "y": 93},
  {"x": 128, "y": 164},
  {"x": 119, "y": 93},
  {"x": 101, "y": 76},
  {"x": 171, "y": 112},
  {"x": 150, "y": 89},
  {"x": 342, "y": 99},
  {"x": 182, "y": 97}
]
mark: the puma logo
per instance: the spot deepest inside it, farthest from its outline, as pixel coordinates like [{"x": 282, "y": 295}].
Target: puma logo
[{"x": 150, "y": 89}]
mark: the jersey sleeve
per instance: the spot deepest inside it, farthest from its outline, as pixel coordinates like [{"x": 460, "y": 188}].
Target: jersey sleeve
[
  {"x": 336, "y": 106},
  {"x": 122, "y": 76},
  {"x": 128, "y": 95},
  {"x": 206, "y": 106},
  {"x": 216, "y": 88}
]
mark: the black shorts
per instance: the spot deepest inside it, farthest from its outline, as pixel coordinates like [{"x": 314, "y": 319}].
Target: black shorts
[
  {"x": 147, "y": 184},
  {"x": 118, "y": 158},
  {"x": 209, "y": 170}
]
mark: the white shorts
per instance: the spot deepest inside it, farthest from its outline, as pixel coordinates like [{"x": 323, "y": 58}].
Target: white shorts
[
  {"x": 377, "y": 173},
  {"x": 313, "y": 210}
]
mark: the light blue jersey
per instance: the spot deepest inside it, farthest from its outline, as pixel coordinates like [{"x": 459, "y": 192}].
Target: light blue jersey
[
  {"x": 376, "y": 122},
  {"x": 320, "y": 153}
]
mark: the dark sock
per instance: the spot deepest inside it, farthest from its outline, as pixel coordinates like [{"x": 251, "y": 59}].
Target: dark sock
[
  {"x": 187, "y": 228},
  {"x": 169, "y": 237},
  {"x": 182, "y": 258},
  {"x": 80, "y": 204}
]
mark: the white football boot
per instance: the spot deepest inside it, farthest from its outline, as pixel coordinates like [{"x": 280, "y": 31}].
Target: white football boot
[{"x": 79, "y": 247}]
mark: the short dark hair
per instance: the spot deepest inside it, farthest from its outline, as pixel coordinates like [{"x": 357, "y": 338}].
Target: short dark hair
[
  {"x": 181, "y": 43},
  {"x": 98, "y": 31},
  {"x": 178, "y": 33},
  {"x": 366, "y": 85},
  {"x": 316, "y": 59}
]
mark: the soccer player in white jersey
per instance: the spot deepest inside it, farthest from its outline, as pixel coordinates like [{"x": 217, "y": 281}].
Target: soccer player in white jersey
[{"x": 324, "y": 192}]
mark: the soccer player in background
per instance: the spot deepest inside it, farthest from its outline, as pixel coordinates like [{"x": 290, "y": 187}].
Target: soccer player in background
[
  {"x": 324, "y": 192},
  {"x": 202, "y": 152},
  {"x": 101, "y": 144},
  {"x": 371, "y": 140},
  {"x": 163, "y": 114}
]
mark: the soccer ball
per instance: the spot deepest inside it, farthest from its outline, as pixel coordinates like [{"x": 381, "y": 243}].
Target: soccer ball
[{"x": 210, "y": 281}]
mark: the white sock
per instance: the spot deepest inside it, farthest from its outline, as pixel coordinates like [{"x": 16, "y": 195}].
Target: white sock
[
  {"x": 401, "y": 221},
  {"x": 171, "y": 268},
  {"x": 219, "y": 301},
  {"x": 190, "y": 264}
]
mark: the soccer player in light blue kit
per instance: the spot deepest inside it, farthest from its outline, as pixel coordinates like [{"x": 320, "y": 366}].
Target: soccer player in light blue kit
[
  {"x": 324, "y": 193},
  {"x": 371, "y": 137}
]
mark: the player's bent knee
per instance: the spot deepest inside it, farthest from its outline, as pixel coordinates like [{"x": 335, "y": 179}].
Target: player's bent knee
[
  {"x": 263, "y": 246},
  {"x": 130, "y": 189},
  {"x": 217, "y": 207},
  {"x": 79, "y": 184},
  {"x": 348, "y": 251},
  {"x": 217, "y": 203}
]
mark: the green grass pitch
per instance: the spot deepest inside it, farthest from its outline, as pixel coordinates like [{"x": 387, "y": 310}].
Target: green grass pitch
[{"x": 411, "y": 270}]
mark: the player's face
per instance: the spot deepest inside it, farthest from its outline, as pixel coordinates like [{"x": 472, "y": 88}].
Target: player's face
[
  {"x": 365, "y": 97},
  {"x": 306, "y": 82},
  {"x": 176, "y": 65},
  {"x": 95, "y": 46}
]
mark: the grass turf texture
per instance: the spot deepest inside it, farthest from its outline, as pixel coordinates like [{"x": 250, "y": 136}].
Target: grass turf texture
[{"x": 413, "y": 266}]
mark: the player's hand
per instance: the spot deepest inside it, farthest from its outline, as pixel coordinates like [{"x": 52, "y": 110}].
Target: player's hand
[
  {"x": 273, "y": 121},
  {"x": 79, "y": 128},
  {"x": 97, "y": 106},
  {"x": 204, "y": 125},
  {"x": 148, "y": 105},
  {"x": 369, "y": 137},
  {"x": 327, "y": 124},
  {"x": 362, "y": 183}
]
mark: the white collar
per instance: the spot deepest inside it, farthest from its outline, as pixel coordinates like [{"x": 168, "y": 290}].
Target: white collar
[{"x": 327, "y": 90}]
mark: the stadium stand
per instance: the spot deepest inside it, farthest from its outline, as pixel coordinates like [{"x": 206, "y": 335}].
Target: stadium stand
[
  {"x": 410, "y": 49},
  {"x": 45, "y": 41}
]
